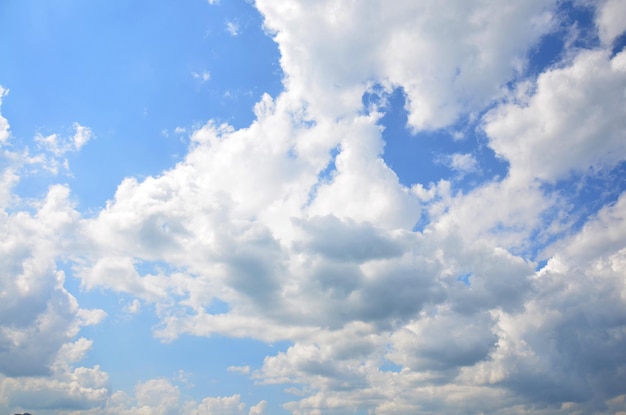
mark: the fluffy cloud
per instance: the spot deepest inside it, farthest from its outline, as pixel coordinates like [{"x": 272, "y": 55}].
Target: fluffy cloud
[
  {"x": 309, "y": 235},
  {"x": 227, "y": 405},
  {"x": 573, "y": 121},
  {"x": 61, "y": 145},
  {"x": 4, "y": 124},
  {"x": 297, "y": 223},
  {"x": 448, "y": 56},
  {"x": 608, "y": 19},
  {"x": 38, "y": 314},
  {"x": 66, "y": 388},
  {"x": 562, "y": 351},
  {"x": 39, "y": 318},
  {"x": 161, "y": 397},
  {"x": 574, "y": 325}
]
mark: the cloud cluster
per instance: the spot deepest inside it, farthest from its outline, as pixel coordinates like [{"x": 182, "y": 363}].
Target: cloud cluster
[
  {"x": 451, "y": 58},
  {"x": 297, "y": 223},
  {"x": 38, "y": 315},
  {"x": 574, "y": 120}
]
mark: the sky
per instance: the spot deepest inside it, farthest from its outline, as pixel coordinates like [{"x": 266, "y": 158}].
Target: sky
[{"x": 292, "y": 207}]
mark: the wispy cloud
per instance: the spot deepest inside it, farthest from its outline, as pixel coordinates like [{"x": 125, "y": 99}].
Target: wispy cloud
[
  {"x": 232, "y": 28},
  {"x": 203, "y": 76}
]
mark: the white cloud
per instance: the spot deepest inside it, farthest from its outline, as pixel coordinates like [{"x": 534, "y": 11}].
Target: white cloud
[
  {"x": 38, "y": 315},
  {"x": 449, "y": 57},
  {"x": 4, "y": 124},
  {"x": 320, "y": 249},
  {"x": 232, "y": 28},
  {"x": 134, "y": 307},
  {"x": 258, "y": 409},
  {"x": 58, "y": 146},
  {"x": 157, "y": 393},
  {"x": 65, "y": 388},
  {"x": 609, "y": 19},
  {"x": 80, "y": 389},
  {"x": 239, "y": 369},
  {"x": 462, "y": 163},
  {"x": 575, "y": 120},
  {"x": 203, "y": 76},
  {"x": 82, "y": 136},
  {"x": 223, "y": 405},
  {"x": 571, "y": 287}
]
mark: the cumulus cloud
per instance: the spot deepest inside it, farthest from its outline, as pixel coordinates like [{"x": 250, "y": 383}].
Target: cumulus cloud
[
  {"x": 309, "y": 237},
  {"x": 581, "y": 299},
  {"x": 227, "y": 405},
  {"x": 299, "y": 226},
  {"x": 575, "y": 120},
  {"x": 80, "y": 389},
  {"x": 609, "y": 21},
  {"x": 66, "y": 388},
  {"x": 449, "y": 57},
  {"x": 81, "y": 136},
  {"x": 38, "y": 314}
]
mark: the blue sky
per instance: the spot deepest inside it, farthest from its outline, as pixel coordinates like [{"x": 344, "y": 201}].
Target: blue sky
[{"x": 259, "y": 207}]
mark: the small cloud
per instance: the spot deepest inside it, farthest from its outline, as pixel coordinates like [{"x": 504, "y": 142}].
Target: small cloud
[
  {"x": 462, "y": 163},
  {"x": 258, "y": 409},
  {"x": 232, "y": 28},
  {"x": 184, "y": 378},
  {"x": 213, "y": 2},
  {"x": 203, "y": 76},
  {"x": 134, "y": 307},
  {"x": 244, "y": 370},
  {"x": 60, "y": 145},
  {"x": 4, "y": 124},
  {"x": 50, "y": 142},
  {"x": 180, "y": 130},
  {"x": 82, "y": 136}
]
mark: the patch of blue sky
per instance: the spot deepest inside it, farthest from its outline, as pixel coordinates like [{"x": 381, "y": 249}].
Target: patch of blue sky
[
  {"x": 327, "y": 173},
  {"x": 575, "y": 28},
  {"x": 465, "y": 278},
  {"x": 425, "y": 157},
  {"x": 541, "y": 264},
  {"x": 576, "y": 200},
  {"x": 618, "y": 44},
  {"x": 217, "y": 306},
  {"x": 154, "y": 267},
  {"x": 588, "y": 192},
  {"x": 133, "y": 77},
  {"x": 389, "y": 366}
]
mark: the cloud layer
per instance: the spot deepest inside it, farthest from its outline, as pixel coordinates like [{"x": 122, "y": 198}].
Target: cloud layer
[{"x": 299, "y": 226}]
